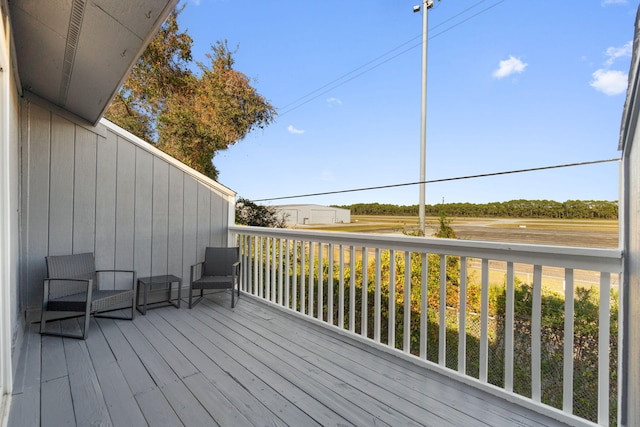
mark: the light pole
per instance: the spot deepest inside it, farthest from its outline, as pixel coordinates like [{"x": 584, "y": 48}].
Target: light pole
[{"x": 426, "y": 5}]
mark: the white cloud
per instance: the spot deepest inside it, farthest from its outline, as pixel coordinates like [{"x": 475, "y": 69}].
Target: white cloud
[
  {"x": 334, "y": 101},
  {"x": 608, "y": 2},
  {"x": 294, "y": 131},
  {"x": 509, "y": 66},
  {"x": 614, "y": 53},
  {"x": 609, "y": 82}
]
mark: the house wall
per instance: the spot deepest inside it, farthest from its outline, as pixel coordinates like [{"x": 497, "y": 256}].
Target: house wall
[
  {"x": 8, "y": 218},
  {"x": 10, "y": 321},
  {"x": 630, "y": 240},
  {"x": 103, "y": 190}
]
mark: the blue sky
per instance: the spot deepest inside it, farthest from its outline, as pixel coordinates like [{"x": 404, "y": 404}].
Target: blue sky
[{"x": 512, "y": 84}]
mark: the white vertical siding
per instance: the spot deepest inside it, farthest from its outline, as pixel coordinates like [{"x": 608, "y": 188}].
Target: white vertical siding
[
  {"x": 9, "y": 203},
  {"x": 105, "y": 242},
  {"x": 630, "y": 240},
  {"x": 160, "y": 224},
  {"x": 61, "y": 185},
  {"x": 102, "y": 190}
]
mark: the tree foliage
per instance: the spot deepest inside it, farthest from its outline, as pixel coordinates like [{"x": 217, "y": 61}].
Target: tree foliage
[
  {"x": 570, "y": 209},
  {"x": 250, "y": 213},
  {"x": 190, "y": 114}
]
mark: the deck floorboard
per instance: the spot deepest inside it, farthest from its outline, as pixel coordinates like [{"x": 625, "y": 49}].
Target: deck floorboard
[{"x": 250, "y": 366}]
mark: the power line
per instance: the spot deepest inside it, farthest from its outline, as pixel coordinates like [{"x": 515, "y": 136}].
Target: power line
[
  {"x": 433, "y": 181},
  {"x": 378, "y": 57},
  {"x": 336, "y": 83}
]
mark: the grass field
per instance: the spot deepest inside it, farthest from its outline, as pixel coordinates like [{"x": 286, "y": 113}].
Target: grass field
[{"x": 564, "y": 232}]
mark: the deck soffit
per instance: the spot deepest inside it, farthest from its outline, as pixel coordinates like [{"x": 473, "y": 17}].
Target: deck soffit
[{"x": 76, "y": 53}]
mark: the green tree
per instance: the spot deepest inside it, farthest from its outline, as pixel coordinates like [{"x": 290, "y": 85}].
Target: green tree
[
  {"x": 250, "y": 213},
  {"x": 189, "y": 115},
  {"x": 444, "y": 229}
]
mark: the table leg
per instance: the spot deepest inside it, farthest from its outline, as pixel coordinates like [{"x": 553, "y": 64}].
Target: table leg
[
  {"x": 179, "y": 292},
  {"x": 144, "y": 299}
]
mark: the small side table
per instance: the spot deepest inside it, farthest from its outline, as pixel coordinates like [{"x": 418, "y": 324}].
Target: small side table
[{"x": 147, "y": 282}]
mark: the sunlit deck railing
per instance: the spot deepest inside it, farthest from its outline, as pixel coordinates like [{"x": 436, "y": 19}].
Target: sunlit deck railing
[{"x": 538, "y": 322}]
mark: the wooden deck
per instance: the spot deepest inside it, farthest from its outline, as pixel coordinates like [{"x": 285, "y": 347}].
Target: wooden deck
[{"x": 254, "y": 365}]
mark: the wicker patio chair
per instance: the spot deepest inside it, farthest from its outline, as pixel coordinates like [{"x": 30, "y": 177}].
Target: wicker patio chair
[
  {"x": 219, "y": 270},
  {"x": 73, "y": 285}
]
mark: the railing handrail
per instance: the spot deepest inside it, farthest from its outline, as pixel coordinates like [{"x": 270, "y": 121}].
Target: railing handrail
[{"x": 605, "y": 260}]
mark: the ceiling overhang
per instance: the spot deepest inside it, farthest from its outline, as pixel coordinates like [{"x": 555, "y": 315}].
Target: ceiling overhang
[{"x": 76, "y": 53}]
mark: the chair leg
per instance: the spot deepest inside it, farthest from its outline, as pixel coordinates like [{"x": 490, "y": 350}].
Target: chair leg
[
  {"x": 190, "y": 297},
  {"x": 85, "y": 333},
  {"x": 43, "y": 321}
]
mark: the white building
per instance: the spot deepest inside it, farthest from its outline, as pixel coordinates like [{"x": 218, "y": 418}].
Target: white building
[{"x": 313, "y": 214}]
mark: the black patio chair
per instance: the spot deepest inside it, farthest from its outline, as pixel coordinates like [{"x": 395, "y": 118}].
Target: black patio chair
[
  {"x": 220, "y": 270},
  {"x": 73, "y": 285}
]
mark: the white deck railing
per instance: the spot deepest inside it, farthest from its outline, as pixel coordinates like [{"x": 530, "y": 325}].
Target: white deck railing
[{"x": 538, "y": 322}]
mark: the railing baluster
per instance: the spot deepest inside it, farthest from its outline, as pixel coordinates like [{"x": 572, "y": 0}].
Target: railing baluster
[
  {"x": 365, "y": 285},
  {"x": 320, "y": 304},
  {"x": 274, "y": 268},
  {"x": 352, "y": 290},
  {"x": 604, "y": 331},
  {"x": 312, "y": 269},
  {"x": 287, "y": 278},
  {"x": 407, "y": 302},
  {"x": 330, "y": 285},
  {"x": 484, "y": 322},
  {"x": 567, "y": 378},
  {"x": 508, "y": 328},
  {"x": 462, "y": 318},
  {"x": 261, "y": 267},
  {"x": 442, "y": 327},
  {"x": 424, "y": 307},
  {"x": 391, "y": 333},
  {"x": 266, "y": 271},
  {"x": 341, "y": 290},
  {"x": 280, "y": 272},
  {"x": 270, "y": 269},
  {"x": 376, "y": 298},
  {"x": 536, "y": 335},
  {"x": 303, "y": 272},
  {"x": 294, "y": 284}
]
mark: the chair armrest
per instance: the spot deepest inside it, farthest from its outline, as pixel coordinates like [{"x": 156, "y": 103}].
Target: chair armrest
[
  {"x": 65, "y": 289},
  {"x": 192, "y": 271}
]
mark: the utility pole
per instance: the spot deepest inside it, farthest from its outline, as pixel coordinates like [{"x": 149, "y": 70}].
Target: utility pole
[{"x": 426, "y": 5}]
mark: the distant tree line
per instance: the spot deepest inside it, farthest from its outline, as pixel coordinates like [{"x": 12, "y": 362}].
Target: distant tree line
[{"x": 571, "y": 209}]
